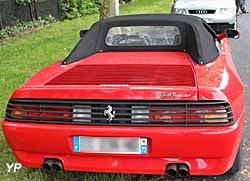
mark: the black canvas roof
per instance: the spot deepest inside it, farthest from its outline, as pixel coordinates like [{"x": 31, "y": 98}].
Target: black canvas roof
[{"x": 199, "y": 38}]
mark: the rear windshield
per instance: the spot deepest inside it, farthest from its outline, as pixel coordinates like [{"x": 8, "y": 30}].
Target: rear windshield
[{"x": 144, "y": 36}]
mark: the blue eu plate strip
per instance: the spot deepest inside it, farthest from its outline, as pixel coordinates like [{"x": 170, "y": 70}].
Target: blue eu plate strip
[
  {"x": 143, "y": 146},
  {"x": 76, "y": 143},
  {"x": 144, "y": 150}
]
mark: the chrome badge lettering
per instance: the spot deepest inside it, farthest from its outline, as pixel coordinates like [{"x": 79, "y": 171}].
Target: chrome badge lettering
[
  {"x": 109, "y": 113},
  {"x": 174, "y": 94},
  {"x": 201, "y": 11}
]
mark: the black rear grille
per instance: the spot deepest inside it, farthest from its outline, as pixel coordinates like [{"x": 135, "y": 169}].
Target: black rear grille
[
  {"x": 220, "y": 27},
  {"x": 201, "y": 11},
  {"x": 128, "y": 113}
]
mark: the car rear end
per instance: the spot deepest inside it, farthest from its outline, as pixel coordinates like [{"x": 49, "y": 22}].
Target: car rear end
[
  {"x": 137, "y": 112},
  {"x": 144, "y": 137}
]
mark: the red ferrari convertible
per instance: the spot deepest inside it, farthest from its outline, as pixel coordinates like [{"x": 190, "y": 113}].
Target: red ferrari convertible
[{"x": 139, "y": 94}]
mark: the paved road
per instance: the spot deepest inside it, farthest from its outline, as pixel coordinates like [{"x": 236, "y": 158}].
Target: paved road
[{"x": 241, "y": 55}]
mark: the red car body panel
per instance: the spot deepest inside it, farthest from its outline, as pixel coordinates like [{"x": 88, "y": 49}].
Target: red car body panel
[
  {"x": 36, "y": 87},
  {"x": 206, "y": 150}
]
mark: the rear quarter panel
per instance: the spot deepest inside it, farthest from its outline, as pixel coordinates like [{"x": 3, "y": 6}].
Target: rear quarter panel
[{"x": 220, "y": 80}]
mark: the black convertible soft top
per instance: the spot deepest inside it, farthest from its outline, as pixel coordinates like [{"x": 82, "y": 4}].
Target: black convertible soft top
[{"x": 198, "y": 37}]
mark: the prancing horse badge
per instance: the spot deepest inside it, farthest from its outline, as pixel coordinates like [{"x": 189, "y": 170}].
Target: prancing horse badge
[{"x": 109, "y": 113}]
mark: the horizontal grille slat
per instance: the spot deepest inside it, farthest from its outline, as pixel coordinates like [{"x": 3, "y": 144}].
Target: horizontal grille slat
[
  {"x": 169, "y": 108},
  {"x": 87, "y": 102},
  {"x": 44, "y": 117},
  {"x": 39, "y": 106},
  {"x": 42, "y": 111},
  {"x": 128, "y": 113},
  {"x": 183, "y": 114},
  {"x": 121, "y": 119}
]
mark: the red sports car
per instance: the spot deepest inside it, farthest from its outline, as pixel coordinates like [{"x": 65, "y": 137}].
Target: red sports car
[{"x": 139, "y": 94}]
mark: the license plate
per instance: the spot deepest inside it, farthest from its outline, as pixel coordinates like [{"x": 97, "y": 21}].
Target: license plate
[{"x": 115, "y": 145}]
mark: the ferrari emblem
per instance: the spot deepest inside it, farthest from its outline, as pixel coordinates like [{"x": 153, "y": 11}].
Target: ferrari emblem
[{"x": 109, "y": 113}]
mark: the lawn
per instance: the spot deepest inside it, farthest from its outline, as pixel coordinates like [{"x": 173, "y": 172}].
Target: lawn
[{"x": 24, "y": 55}]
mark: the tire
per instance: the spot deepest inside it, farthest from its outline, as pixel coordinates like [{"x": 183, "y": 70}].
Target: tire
[{"x": 237, "y": 163}]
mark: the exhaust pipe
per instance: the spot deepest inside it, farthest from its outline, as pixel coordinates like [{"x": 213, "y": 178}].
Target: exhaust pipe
[
  {"x": 54, "y": 165},
  {"x": 47, "y": 165},
  {"x": 172, "y": 170},
  {"x": 183, "y": 170},
  {"x": 57, "y": 166}
]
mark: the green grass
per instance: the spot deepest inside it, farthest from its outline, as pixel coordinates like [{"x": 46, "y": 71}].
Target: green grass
[{"x": 24, "y": 55}]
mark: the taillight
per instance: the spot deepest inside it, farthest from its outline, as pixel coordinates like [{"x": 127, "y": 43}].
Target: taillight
[
  {"x": 217, "y": 116},
  {"x": 190, "y": 117},
  {"x": 17, "y": 112},
  {"x": 40, "y": 113},
  {"x": 161, "y": 116}
]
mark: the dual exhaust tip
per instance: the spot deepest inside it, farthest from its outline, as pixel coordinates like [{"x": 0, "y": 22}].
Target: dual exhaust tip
[
  {"x": 54, "y": 165},
  {"x": 173, "y": 170},
  {"x": 177, "y": 170}
]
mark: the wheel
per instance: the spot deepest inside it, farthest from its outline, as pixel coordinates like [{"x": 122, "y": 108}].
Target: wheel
[{"x": 237, "y": 163}]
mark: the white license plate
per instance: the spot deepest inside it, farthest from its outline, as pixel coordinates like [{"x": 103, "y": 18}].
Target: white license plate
[{"x": 115, "y": 145}]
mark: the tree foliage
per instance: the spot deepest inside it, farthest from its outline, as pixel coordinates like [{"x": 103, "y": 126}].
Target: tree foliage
[
  {"x": 23, "y": 2},
  {"x": 76, "y": 8}
]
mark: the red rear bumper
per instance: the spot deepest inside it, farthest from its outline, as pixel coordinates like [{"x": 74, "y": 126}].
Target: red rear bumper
[{"x": 206, "y": 150}]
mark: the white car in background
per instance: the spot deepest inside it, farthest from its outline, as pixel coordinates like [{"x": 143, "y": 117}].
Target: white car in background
[{"x": 219, "y": 14}]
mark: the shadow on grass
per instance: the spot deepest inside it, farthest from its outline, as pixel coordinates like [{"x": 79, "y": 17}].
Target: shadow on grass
[{"x": 80, "y": 176}]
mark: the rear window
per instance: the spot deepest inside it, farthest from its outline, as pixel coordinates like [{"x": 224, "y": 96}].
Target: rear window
[{"x": 144, "y": 36}]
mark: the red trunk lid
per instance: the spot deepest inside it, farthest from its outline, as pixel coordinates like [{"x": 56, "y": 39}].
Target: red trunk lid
[
  {"x": 120, "y": 75},
  {"x": 127, "y": 74}
]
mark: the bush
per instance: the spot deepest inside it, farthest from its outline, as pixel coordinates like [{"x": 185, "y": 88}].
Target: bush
[
  {"x": 25, "y": 26},
  {"x": 71, "y": 9}
]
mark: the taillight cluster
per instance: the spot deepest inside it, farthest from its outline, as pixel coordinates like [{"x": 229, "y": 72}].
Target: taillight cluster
[
  {"x": 40, "y": 113},
  {"x": 190, "y": 116},
  {"x": 102, "y": 112}
]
